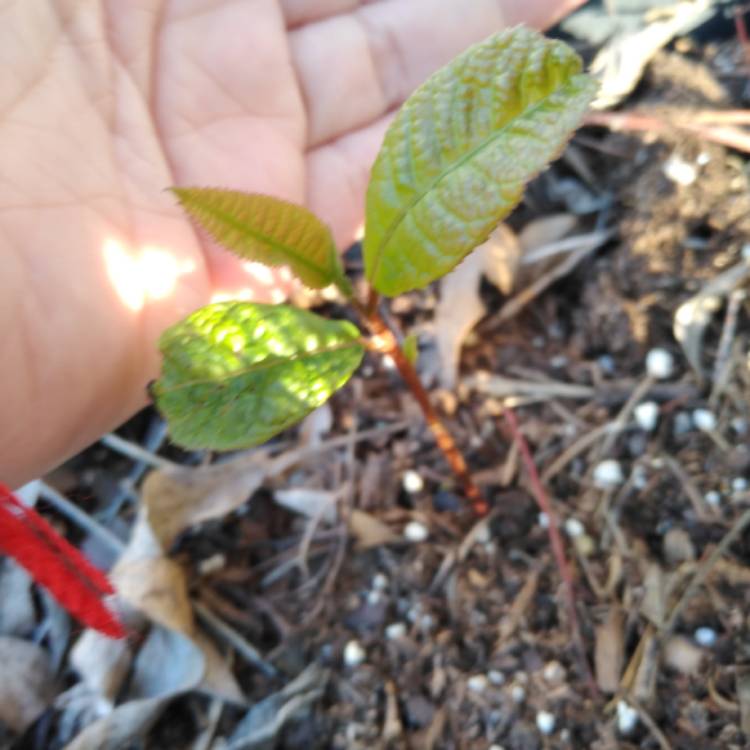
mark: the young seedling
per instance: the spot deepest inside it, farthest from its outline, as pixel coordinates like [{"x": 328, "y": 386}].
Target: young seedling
[{"x": 453, "y": 164}]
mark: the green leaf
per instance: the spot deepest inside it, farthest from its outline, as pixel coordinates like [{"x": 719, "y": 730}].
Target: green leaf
[
  {"x": 235, "y": 374},
  {"x": 267, "y": 230},
  {"x": 456, "y": 158}
]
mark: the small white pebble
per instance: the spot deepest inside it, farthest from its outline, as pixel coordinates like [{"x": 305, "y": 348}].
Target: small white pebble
[
  {"x": 739, "y": 484},
  {"x": 477, "y": 683},
  {"x": 660, "y": 364},
  {"x": 354, "y": 654},
  {"x": 388, "y": 362},
  {"x": 627, "y": 718},
  {"x": 416, "y": 532},
  {"x": 608, "y": 474},
  {"x": 704, "y": 420},
  {"x": 496, "y": 677},
  {"x": 545, "y": 722},
  {"x": 380, "y": 581},
  {"x": 705, "y": 637},
  {"x": 543, "y": 520},
  {"x": 574, "y": 528},
  {"x": 745, "y": 252},
  {"x": 395, "y": 631},
  {"x": 412, "y": 482},
  {"x": 647, "y": 415},
  {"x": 518, "y": 693},
  {"x": 679, "y": 171},
  {"x": 554, "y": 672},
  {"x": 713, "y": 498},
  {"x": 496, "y": 747},
  {"x": 702, "y": 159},
  {"x": 739, "y": 425},
  {"x": 212, "y": 564},
  {"x": 374, "y": 597}
]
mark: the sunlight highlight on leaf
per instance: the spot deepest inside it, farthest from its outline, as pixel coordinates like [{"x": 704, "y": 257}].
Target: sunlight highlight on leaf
[{"x": 237, "y": 373}]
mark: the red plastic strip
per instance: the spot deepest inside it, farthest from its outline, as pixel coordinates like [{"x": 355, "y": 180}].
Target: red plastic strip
[{"x": 57, "y": 565}]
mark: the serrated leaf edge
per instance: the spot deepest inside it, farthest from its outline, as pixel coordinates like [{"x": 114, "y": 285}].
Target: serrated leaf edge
[{"x": 333, "y": 270}]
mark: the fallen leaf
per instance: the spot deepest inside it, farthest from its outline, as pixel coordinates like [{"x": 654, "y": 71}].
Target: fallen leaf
[
  {"x": 692, "y": 317},
  {"x": 501, "y": 256},
  {"x": 369, "y": 531},
  {"x": 102, "y": 663},
  {"x": 167, "y": 665},
  {"x": 453, "y": 320},
  {"x": 156, "y": 587},
  {"x": 17, "y": 615},
  {"x": 176, "y": 499},
  {"x": 315, "y": 425},
  {"x": 621, "y": 61},
  {"x": 545, "y": 230},
  {"x": 264, "y": 720},
  {"x": 309, "y": 502},
  {"x": 31, "y": 689},
  {"x": 682, "y": 655}
]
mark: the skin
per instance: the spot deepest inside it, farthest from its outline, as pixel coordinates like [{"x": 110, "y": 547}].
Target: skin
[{"x": 105, "y": 103}]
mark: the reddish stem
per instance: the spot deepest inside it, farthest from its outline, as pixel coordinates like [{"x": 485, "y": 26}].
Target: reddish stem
[
  {"x": 385, "y": 342},
  {"x": 556, "y": 542}
]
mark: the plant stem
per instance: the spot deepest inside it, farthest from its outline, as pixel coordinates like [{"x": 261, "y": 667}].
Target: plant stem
[
  {"x": 385, "y": 342},
  {"x": 556, "y": 542}
]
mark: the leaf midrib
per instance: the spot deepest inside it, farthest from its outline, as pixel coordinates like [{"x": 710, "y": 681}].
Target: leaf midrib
[
  {"x": 266, "y": 364},
  {"x": 454, "y": 167}
]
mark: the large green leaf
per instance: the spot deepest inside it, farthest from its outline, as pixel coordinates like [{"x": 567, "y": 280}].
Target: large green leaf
[
  {"x": 456, "y": 158},
  {"x": 267, "y": 230},
  {"x": 236, "y": 373}
]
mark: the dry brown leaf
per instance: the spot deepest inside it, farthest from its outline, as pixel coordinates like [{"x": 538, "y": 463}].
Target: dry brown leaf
[
  {"x": 609, "y": 651},
  {"x": 369, "y": 531},
  {"x": 501, "y": 256},
  {"x": 682, "y": 655},
  {"x": 157, "y": 587},
  {"x": 545, "y": 230},
  {"x": 180, "y": 498},
  {"x": 28, "y": 685},
  {"x": 693, "y": 317},
  {"x": 309, "y": 502}
]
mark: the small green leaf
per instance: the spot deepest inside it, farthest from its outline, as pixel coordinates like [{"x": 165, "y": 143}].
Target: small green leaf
[
  {"x": 236, "y": 373},
  {"x": 456, "y": 158},
  {"x": 411, "y": 348},
  {"x": 267, "y": 230}
]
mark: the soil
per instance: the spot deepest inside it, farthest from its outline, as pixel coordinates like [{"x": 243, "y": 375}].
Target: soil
[{"x": 482, "y": 644}]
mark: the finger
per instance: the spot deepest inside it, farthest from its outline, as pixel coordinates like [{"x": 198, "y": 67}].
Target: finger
[
  {"x": 298, "y": 12},
  {"x": 355, "y": 67},
  {"x": 337, "y": 177}
]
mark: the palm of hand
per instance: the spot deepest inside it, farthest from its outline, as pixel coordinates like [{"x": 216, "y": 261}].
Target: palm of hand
[{"x": 109, "y": 103}]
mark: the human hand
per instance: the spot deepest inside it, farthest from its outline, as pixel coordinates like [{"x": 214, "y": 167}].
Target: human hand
[{"x": 104, "y": 103}]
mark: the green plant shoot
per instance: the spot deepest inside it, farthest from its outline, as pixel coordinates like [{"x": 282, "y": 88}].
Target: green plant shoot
[{"x": 453, "y": 164}]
